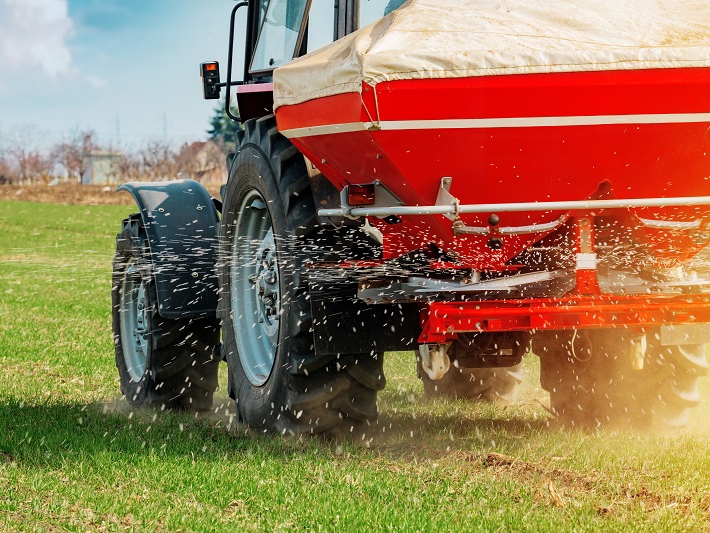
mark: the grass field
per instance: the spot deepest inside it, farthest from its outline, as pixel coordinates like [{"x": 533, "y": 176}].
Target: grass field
[{"x": 74, "y": 457}]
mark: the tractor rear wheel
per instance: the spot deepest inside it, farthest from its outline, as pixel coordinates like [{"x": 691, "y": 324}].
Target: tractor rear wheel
[
  {"x": 269, "y": 233},
  {"x": 592, "y": 382},
  {"x": 161, "y": 362}
]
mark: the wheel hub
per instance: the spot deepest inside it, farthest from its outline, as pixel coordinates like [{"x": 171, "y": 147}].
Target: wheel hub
[
  {"x": 266, "y": 285},
  {"x": 134, "y": 323},
  {"x": 255, "y": 288}
]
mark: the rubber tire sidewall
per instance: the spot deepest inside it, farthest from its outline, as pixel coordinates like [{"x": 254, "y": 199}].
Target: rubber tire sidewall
[
  {"x": 256, "y": 404},
  {"x": 127, "y": 248}
]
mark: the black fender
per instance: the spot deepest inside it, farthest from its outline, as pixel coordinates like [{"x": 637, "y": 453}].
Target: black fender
[
  {"x": 342, "y": 323},
  {"x": 182, "y": 224}
]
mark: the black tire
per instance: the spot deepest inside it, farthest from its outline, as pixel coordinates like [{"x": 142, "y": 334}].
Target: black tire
[
  {"x": 296, "y": 391},
  {"x": 174, "y": 367},
  {"x": 596, "y": 384},
  {"x": 499, "y": 384}
]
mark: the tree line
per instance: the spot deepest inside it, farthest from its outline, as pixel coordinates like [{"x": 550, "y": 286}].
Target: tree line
[{"x": 23, "y": 162}]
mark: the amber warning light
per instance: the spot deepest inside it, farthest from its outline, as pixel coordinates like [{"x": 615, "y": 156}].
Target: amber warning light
[{"x": 210, "y": 80}]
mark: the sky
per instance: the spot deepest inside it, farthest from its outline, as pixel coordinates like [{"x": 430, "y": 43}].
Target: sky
[{"x": 126, "y": 69}]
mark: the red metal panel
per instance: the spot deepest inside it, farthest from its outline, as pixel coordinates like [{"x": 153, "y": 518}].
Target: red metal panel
[
  {"x": 683, "y": 90},
  {"x": 446, "y": 319},
  {"x": 520, "y": 164}
]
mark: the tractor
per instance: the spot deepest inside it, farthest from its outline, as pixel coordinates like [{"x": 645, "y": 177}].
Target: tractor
[{"x": 468, "y": 181}]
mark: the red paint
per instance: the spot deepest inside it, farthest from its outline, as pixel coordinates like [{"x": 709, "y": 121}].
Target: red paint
[
  {"x": 444, "y": 320},
  {"x": 520, "y": 164}
]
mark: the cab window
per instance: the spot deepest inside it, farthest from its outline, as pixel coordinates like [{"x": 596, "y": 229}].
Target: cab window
[
  {"x": 279, "y": 34},
  {"x": 321, "y": 24},
  {"x": 371, "y": 10}
]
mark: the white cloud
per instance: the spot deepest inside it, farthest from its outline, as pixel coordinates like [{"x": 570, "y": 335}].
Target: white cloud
[{"x": 33, "y": 34}]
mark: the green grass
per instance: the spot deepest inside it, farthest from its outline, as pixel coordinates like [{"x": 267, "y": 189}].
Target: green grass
[{"x": 74, "y": 457}]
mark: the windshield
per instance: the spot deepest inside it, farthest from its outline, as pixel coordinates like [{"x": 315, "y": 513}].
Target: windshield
[
  {"x": 279, "y": 34},
  {"x": 371, "y": 10}
]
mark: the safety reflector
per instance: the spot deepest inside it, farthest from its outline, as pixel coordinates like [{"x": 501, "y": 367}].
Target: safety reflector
[{"x": 361, "y": 194}]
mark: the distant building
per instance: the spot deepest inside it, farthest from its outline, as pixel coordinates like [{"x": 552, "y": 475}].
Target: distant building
[{"x": 101, "y": 168}]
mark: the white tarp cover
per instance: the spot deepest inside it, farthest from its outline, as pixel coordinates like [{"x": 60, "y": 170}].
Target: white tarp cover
[{"x": 462, "y": 38}]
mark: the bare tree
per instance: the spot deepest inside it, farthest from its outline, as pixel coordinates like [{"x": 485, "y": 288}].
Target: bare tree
[
  {"x": 127, "y": 167},
  {"x": 7, "y": 175},
  {"x": 39, "y": 167},
  {"x": 74, "y": 153},
  {"x": 159, "y": 162},
  {"x": 186, "y": 162},
  {"x": 202, "y": 161},
  {"x": 22, "y": 149}
]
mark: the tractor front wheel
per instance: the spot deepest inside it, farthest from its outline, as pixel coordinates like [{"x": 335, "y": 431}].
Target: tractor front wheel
[
  {"x": 269, "y": 233},
  {"x": 161, "y": 362}
]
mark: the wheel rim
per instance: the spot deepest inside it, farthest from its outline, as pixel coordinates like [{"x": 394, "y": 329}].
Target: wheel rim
[
  {"x": 134, "y": 322},
  {"x": 255, "y": 288}
]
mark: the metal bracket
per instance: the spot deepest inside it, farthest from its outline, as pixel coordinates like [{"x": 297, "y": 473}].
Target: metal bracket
[
  {"x": 462, "y": 229},
  {"x": 435, "y": 361},
  {"x": 637, "y": 348},
  {"x": 444, "y": 197},
  {"x": 557, "y": 283},
  {"x": 670, "y": 225},
  {"x": 384, "y": 198}
]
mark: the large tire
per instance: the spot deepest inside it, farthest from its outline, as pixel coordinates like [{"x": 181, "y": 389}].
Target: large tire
[
  {"x": 161, "y": 362},
  {"x": 268, "y": 234},
  {"x": 596, "y": 385}
]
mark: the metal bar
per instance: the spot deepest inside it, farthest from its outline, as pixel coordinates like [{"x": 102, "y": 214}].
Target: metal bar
[
  {"x": 355, "y": 212},
  {"x": 670, "y": 224},
  {"x": 231, "y": 83},
  {"x": 446, "y": 319},
  {"x": 462, "y": 229},
  {"x": 230, "y": 55}
]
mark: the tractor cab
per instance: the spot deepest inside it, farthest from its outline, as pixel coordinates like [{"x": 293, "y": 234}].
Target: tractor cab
[
  {"x": 292, "y": 28},
  {"x": 278, "y": 31}
]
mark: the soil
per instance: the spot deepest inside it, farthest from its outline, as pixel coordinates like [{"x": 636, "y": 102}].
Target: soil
[{"x": 72, "y": 194}]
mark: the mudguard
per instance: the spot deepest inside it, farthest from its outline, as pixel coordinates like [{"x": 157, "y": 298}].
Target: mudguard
[{"x": 182, "y": 224}]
